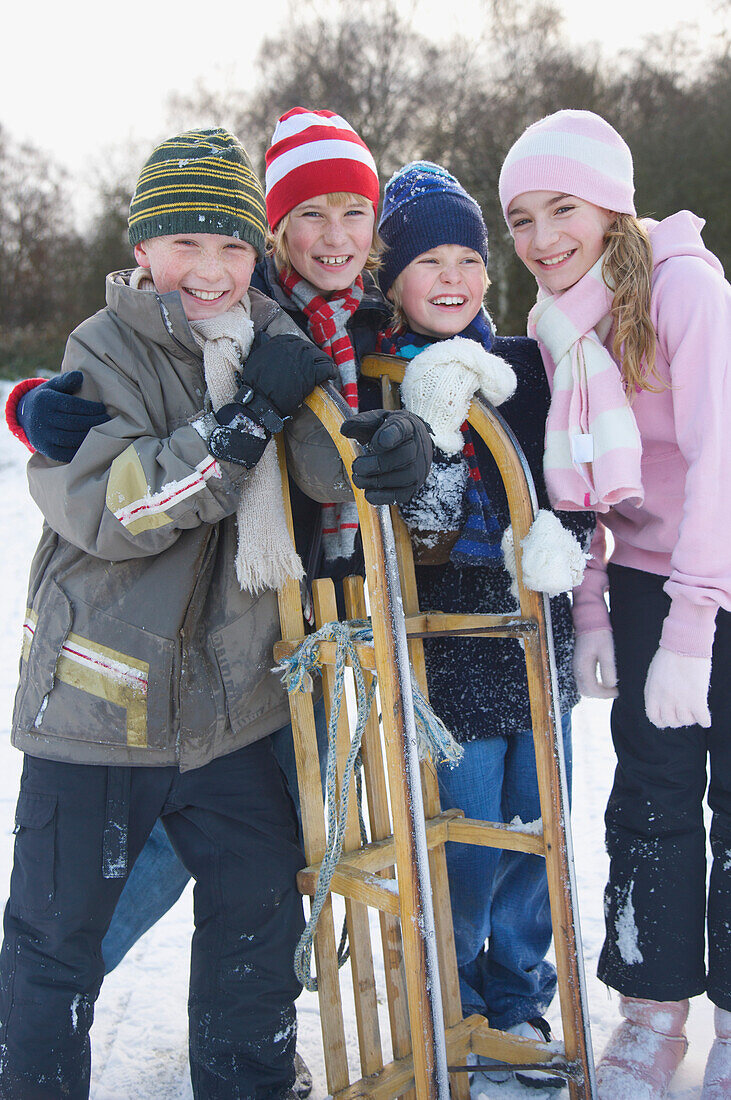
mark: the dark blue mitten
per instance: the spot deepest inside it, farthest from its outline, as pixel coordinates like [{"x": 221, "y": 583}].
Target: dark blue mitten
[{"x": 57, "y": 422}]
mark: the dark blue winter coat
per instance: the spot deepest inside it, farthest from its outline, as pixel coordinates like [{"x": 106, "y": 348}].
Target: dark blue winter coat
[{"x": 478, "y": 686}]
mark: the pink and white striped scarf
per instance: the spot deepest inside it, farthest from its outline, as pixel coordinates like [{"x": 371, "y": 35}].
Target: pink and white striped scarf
[
  {"x": 326, "y": 321},
  {"x": 593, "y": 446}
]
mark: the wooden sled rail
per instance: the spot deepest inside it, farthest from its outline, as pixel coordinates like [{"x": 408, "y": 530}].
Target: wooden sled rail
[{"x": 435, "y": 624}]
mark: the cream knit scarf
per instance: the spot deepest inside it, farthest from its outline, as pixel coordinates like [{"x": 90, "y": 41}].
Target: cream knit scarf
[
  {"x": 593, "y": 446},
  {"x": 265, "y": 556}
]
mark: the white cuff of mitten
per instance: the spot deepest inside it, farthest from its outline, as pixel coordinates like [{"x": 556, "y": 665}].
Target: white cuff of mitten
[
  {"x": 676, "y": 690},
  {"x": 440, "y": 382},
  {"x": 552, "y": 560}
]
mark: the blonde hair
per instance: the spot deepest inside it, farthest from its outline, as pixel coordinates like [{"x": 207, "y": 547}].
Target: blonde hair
[
  {"x": 276, "y": 244},
  {"x": 627, "y": 270},
  {"x": 399, "y": 319}
]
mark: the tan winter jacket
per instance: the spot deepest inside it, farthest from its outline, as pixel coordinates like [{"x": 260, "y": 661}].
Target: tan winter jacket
[{"x": 139, "y": 646}]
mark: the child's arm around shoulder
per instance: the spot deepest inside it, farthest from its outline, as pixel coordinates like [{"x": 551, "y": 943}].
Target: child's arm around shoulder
[{"x": 132, "y": 486}]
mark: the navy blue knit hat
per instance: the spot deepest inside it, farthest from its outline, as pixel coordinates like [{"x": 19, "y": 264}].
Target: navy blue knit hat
[{"x": 424, "y": 206}]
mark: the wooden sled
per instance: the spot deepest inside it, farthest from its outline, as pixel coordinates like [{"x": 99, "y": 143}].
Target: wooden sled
[{"x": 401, "y": 871}]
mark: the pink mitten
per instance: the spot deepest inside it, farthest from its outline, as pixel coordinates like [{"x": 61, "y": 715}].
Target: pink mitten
[
  {"x": 594, "y": 666},
  {"x": 676, "y": 690}
]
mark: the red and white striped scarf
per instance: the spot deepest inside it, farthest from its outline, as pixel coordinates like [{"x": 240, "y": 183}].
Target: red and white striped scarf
[
  {"x": 326, "y": 323},
  {"x": 593, "y": 446}
]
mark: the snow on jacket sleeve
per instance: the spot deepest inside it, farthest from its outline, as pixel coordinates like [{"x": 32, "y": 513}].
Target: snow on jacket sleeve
[
  {"x": 129, "y": 492},
  {"x": 693, "y": 304}
]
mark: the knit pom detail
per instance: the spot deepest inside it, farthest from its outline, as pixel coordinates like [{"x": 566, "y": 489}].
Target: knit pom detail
[{"x": 552, "y": 560}]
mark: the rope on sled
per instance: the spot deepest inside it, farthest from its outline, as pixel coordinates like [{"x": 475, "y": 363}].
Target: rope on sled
[{"x": 433, "y": 739}]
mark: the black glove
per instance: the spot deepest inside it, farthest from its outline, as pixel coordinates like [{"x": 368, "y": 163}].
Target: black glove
[
  {"x": 240, "y": 439},
  {"x": 278, "y": 375},
  {"x": 55, "y": 422},
  {"x": 398, "y": 454}
]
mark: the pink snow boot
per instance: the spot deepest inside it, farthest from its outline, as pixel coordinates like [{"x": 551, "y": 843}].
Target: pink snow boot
[
  {"x": 717, "y": 1079},
  {"x": 645, "y": 1050}
]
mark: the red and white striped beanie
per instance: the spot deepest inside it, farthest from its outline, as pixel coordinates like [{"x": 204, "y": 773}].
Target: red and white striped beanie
[
  {"x": 315, "y": 153},
  {"x": 574, "y": 153}
]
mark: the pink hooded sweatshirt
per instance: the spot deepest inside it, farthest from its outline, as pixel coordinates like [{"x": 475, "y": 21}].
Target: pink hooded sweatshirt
[{"x": 683, "y": 529}]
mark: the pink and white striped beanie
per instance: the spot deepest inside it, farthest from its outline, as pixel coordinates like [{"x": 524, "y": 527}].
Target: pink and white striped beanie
[
  {"x": 315, "y": 153},
  {"x": 574, "y": 153}
]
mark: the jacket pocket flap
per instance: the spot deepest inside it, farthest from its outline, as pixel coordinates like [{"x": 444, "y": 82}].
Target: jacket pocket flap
[
  {"x": 45, "y": 630},
  {"x": 34, "y": 810}
]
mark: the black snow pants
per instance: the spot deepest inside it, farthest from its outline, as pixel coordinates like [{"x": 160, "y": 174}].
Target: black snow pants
[
  {"x": 655, "y": 900},
  {"x": 78, "y": 827}
]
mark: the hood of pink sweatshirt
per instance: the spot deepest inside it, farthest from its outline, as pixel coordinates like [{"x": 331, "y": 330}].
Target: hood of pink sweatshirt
[{"x": 680, "y": 235}]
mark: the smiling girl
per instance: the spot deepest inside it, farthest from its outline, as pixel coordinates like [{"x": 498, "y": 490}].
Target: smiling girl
[{"x": 632, "y": 318}]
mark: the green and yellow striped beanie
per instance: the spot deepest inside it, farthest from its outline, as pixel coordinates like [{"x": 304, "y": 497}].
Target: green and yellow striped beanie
[{"x": 199, "y": 182}]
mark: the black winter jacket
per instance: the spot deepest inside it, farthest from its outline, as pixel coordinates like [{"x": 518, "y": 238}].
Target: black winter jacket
[{"x": 478, "y": 686}]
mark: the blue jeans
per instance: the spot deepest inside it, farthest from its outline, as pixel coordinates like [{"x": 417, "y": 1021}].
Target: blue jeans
[
  {"x": 158, "y": 878},
  {"x": 498, "y": 896}
]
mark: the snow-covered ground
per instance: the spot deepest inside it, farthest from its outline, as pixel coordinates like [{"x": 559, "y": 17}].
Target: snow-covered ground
[{"x": 139, "y": 1034}]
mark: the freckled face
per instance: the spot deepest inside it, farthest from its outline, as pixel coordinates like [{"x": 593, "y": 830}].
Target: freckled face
[
  {"x": 211, "y": 272},
  {"x": 441, "y": 290},
  {"x": 558, "y": 237},
  {"x": 329, "y": 245}
]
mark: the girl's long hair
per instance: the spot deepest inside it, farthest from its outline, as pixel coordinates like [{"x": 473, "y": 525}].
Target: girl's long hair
[{"x": 627, "y": 269}]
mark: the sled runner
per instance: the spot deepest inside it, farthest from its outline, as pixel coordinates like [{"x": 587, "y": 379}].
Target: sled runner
[{"x": 401, "y": 870}]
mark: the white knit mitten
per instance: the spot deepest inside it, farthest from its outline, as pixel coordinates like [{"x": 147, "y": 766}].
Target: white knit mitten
[
  {"x": 552, "y": 560},
  {"x": 676, "y": 690},
  {"x": 440, "y": 382}
]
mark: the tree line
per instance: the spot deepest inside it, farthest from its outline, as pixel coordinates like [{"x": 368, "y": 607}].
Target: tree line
[{"x": 461, "y": 102}]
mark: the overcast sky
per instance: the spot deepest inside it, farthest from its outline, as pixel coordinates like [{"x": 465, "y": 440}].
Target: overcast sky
[{"x": 80, "y": 76}]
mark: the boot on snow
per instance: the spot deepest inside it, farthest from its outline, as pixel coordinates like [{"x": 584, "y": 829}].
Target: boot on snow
[
  {"x": 717, "y": 1078},
  {"x": 645, "y": 1050},
  {"x": 302, "y": 1078},
  {"x": 537, "y": 1029}
]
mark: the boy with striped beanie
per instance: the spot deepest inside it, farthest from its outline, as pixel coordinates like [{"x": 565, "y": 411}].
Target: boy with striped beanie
[
  {"x": 145, "y": 684},
  {"x": 321, "y": 195},
  {"x": 200, "y": 181}
]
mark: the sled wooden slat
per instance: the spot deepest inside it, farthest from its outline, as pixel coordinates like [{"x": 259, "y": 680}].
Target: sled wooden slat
[
  {"x": 363, "y": 865},
  {"x": 380, "y": 826},
  {"x": 356, "y": 912},
  {"x": 437, "y": 624},
  {"x": 433, "y": 624},
  {"x": 380, "y": 855},
  {"x": 363, "y": 886},
  {"x": 326, "y": 650},
  {"x": 313, "y": 828},
  {"x": 451, "y": 998},
  {"x": 384, "y": 873},
  {"x": 495, "y": 834}
]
